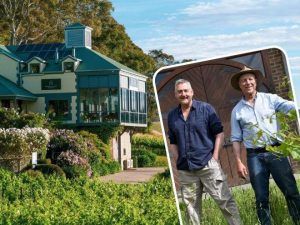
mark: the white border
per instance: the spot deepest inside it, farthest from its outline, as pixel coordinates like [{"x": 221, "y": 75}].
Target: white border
[{"x": 287, "y": 69}]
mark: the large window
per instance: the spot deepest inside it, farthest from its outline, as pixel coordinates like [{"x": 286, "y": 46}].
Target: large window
[
  {"x": 98, "y": 105},
  {"x": 58, "y": 109}
]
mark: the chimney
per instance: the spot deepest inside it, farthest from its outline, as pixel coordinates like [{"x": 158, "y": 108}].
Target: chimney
[
  {"x": 73, "y": 52},
  {"x": 56, "y": 55}
]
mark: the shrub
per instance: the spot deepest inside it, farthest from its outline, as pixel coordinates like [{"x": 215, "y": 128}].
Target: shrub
[
  {"x": 16, "y": 143},
  {"x": 8, "y": 117},
  {"x": 144, "y": 158},
  {"x": 161, "y": 161},
  {"x": 32, "y": 120},
  {"x": 148, "y": 140},
  {"x": 93, "y": 142},
  {"x": 105, "y": 131},
  {"x": 74, "y": 165},
  {"x": 50, "y": 169},
  {"x": 34, "y": 173},
  {"x": 66, "y": 140}
]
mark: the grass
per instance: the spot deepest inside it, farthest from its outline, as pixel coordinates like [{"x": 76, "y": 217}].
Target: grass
[{"x": 245, "y": 200}]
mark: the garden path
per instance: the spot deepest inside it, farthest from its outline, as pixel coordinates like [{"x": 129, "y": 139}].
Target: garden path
[{"x": 133, "y": 176}]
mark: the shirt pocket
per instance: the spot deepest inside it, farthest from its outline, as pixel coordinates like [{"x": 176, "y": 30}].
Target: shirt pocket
[{"x": 198, "y": 125}]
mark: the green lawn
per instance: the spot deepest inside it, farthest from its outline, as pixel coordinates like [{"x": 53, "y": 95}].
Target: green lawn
[{"x": 246, "y": 203}]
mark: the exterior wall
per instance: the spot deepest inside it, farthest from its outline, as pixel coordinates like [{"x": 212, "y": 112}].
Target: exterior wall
[
  {"x": 125, "y": 147},
  {"x": 8, "y": 68},
  {"x": 33, "y": 82},
  {"x": 38, "y": 106},
  {"x": 114, "y": 149},
  {"x": 74, "y": 109}
]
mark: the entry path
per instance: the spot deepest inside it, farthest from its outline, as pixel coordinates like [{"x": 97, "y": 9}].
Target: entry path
[{"x": 133, "y": 176}]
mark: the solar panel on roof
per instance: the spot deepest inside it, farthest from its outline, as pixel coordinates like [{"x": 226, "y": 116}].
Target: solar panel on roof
[
  {"x": 21, "y": 48},
  {"x": 28, "y": 48},
  {"x": 38, "y": 47},
  {"x": 46, "y": 47}
]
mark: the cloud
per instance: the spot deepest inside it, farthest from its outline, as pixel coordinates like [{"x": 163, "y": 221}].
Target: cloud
[{"x": 206, "y": 46}]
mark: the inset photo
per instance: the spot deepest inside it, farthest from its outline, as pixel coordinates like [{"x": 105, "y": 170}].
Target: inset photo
[{"x": 232, "y": 138}]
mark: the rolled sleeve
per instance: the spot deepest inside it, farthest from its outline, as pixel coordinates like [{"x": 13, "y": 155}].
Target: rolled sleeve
[
  {"x": 282, "y": 105},
  {"x": 236, "y": 131},
  {"x": 214, "y": 121}
]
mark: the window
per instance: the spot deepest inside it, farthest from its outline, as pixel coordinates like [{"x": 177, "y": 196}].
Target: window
[
  {"x": 142, "y": 106},
  {"x": 133, "y": 101},
  {"x": 124, "y": 99},
  {"x": 69, "y": 66},
  {"x": 58, "y": 109},
  {"x": 35, "y": 68},
  {"x": 99, "y": 104}
]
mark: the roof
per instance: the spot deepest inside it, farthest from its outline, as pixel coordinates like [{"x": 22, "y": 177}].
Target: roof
[
  {"x": 76, "y": 26},
  {"x": 91, "y": 60},
  {"x": 10, "y": 90},
  {"x": 8, "y": 53}
]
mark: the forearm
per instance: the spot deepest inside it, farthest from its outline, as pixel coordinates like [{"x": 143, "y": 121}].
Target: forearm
[
  {"x": 237, "y": 150},
  {"x": 173, "y": 150},
  {"x": 218, "y": 145}
]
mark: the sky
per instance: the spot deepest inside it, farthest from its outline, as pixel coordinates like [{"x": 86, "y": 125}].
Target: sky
[{"x": 191, "y": 29}]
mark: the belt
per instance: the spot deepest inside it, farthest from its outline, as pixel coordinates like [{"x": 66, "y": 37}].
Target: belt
[{"x": 262, "y": 149}]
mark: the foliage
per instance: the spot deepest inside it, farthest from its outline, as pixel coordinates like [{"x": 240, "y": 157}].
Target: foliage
[
  {"x": 16, "y": 143},
  {"x": 105, "y": 131},
  {"x": 148, "y": 140},
  {"x": 144, "y": 158},
  {"x": 66, "y": 140},
  {"x": 53, "y": 200},
  {"x": 161, "y": 58},
  {"x": 93, "y": 141},
  {"x": 161, "y": 161},
  {"x": 11, "y": 118},
  {"x": 50, "y": 169},
  {"x": 290, "y": 145},
  {"x": 245, "y": 200},
  {"x": 74, "y": 165}
]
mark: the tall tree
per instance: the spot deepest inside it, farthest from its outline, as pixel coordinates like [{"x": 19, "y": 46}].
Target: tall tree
[{"x": 161, "y": 58}]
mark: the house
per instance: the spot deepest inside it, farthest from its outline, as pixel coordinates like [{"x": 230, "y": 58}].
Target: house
[{"x": 75, "y": 84}]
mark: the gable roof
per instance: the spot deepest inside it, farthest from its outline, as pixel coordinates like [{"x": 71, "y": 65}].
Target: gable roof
[
  {"x": 10, "y": 90},
  {"x": 91, "y": 60}
]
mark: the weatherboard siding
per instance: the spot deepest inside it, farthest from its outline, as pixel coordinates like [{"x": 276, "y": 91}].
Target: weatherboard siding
[
  {"x": 33, "y": 83},
  {"x": 8, "y": 68}
]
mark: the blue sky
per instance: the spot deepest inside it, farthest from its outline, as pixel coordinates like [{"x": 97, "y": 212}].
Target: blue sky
[{"x": 191, "y": 29}]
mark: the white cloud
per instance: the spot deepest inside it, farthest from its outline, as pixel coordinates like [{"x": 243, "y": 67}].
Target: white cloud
[{"x": 198, "y": 47}]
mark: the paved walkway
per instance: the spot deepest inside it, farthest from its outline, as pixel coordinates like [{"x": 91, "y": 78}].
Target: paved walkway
[{"x": 133, "y": 176}]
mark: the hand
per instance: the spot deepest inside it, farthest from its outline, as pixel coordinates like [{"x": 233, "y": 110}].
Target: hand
[
  {"x": 216, "y": 157},
  {"x": 242, "y": 170}
]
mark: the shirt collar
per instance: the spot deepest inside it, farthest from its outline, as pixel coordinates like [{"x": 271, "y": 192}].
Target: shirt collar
[
  {"x": 193, "y": 107},
  {"x": 245, "y": 102}
]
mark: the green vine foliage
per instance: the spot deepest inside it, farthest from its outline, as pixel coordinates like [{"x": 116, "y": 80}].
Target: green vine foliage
[
  {"x": 290, "y": 146},
  {"x": 105, "y": 131}
]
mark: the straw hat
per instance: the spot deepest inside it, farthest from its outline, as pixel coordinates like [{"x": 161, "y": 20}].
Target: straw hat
[{"x": 235, "y": 78}]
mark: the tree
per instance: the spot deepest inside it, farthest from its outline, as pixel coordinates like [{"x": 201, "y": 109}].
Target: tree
[{"x": 161, "y": 58}]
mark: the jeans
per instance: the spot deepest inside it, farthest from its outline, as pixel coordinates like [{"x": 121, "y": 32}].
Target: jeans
[{"x": 260, "y": 166}]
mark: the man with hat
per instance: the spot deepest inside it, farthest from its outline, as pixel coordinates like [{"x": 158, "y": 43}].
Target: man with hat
[
  {"x": 196, "y": 136},
  {"x": 253, "y": 122}
]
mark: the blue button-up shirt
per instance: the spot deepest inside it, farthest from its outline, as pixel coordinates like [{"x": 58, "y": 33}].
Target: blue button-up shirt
[
  {"x": 257, "y": 126},
  {"x": 194, "y": 137}
]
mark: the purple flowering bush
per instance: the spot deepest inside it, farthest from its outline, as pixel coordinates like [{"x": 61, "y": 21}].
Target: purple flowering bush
[{"x": 74, "y": 165}]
